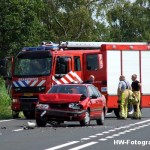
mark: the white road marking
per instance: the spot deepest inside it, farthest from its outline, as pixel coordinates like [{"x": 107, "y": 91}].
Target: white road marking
[
  {"x": 119, "y": 128},
  {"x": 109, "y": 137},
  {"x": 112, "y": 130},
  {"x": 103, "y": 139},
  {"x": 18, "y": 130},
  {"x": 106, "y": 132},
  {"x": 6, "y": 120},
  {"x": 84, "y": 139},
  {"x": 63, "y": 145},
  {"x": 92, "y": 136},
  {"x": 99, "y": 134},
  {"x": 0, "y": 133},
  {"x": 83, "y": 146},
  {"x": 123, "y": 132}
]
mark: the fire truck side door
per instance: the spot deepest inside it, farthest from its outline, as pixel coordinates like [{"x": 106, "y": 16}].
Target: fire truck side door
[{"x": 63, "y": 65}]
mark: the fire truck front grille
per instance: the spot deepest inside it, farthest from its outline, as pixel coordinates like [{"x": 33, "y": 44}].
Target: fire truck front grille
[
  {"x": 59, "y": 106},
  {"x": 37, "y": 89},
  {"x": 28, "y": 99}
]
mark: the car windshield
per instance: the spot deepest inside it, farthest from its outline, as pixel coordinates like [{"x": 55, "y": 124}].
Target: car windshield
[
  {"x": 70, "y": 89},
  {"x": 32, "y": 66}
]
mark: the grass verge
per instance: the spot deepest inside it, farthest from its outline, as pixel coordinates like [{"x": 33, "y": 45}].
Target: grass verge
[{"x": 5, "y": 101}]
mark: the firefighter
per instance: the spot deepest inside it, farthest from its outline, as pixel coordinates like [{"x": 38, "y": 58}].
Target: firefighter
[
  {"x": 124, "y": 93},
  {"x": 136, "y": 86},
  {"x": 90, "y": 80}
]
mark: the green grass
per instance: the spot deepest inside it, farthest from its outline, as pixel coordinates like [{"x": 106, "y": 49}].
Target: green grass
[{"x": 5, "y": 101}]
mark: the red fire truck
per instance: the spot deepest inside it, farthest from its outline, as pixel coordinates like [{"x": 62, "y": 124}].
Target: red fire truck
[{"x": 36, "y": 69}]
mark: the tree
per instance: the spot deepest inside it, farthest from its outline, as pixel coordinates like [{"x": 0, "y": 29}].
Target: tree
[
  {"x": 129, "y": 21},
  {"x": 71, "y": 20},
  {"x": 19, "y": 25}
]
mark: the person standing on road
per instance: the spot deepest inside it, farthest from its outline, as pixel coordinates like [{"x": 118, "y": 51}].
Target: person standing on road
[
  {"x": 124, "y": 92},
  {"x": 136, "y": 86}
]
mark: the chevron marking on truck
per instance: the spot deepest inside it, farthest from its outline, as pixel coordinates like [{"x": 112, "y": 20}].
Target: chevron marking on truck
[
  {"x": 28, "y": 83},
  {"x": 68, "y": 78}
]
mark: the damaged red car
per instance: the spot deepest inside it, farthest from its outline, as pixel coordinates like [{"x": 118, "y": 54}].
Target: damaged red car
[{"x": 71, "y": 102}]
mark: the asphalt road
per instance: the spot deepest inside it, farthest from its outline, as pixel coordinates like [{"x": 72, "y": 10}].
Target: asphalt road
[{"x": 114, "y": 135}]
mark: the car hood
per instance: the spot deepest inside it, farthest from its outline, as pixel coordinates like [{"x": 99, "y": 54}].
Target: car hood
[{"x": 59, "y": 98}]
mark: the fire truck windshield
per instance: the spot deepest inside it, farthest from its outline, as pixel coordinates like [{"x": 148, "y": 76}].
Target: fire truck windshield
[{"x": 32, "y": 66}]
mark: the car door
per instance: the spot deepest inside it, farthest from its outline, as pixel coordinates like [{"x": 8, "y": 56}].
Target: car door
[
  {"x": 93, "y": 101},
  {"x": 99, "y": 101}
]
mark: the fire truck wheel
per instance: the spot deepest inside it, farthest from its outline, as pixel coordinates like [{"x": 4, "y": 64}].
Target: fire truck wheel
[
  {"x": 101, "y": 120},
  {"x": 86, "y": 120},
  {"x": 29, "y": 114},
  {"x": 116, "y": 111},
  {"x": 15, "y": 114},
  {"x": 40, "y": 122}
]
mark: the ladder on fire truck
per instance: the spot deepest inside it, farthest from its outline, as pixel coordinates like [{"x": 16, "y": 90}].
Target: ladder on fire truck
[
  {"x": 94, "y": 45},
  {"x": 78, "y": 45}
]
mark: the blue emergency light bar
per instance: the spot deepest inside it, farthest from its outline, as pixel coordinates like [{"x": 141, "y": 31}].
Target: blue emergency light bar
[{"x": 40, "y": 48}]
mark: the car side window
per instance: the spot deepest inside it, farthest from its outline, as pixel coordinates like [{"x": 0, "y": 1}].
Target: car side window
[
  {"x": 96, "y": 91},
  {"x": 91, "y": 93}
]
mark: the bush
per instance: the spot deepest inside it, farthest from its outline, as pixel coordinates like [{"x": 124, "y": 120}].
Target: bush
[{"x": 5, "y": 101}]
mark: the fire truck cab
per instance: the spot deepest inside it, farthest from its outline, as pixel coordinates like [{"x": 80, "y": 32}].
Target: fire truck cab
[{"x": 36, "y": 69}]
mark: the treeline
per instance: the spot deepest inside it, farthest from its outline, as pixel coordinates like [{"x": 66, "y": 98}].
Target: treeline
[{"x": 28, "y": 22}]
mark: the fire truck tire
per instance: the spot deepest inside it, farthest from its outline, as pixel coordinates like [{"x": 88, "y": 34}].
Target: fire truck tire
[
  {"x": 40, "y": 122},
  {"x": 15, "y": 114},
  {"x": 101, "y": 120},
  {"x": 116, "y": 112},
  {"x": 29, "y": 114},
  {"x": 86, "y": 120}
]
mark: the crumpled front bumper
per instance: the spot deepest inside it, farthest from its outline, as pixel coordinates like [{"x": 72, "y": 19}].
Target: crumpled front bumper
[{"x": 65, "y": 115}]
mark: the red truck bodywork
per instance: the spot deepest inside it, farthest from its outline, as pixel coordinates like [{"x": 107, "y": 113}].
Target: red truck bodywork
[{"x": 78, "y": 65}]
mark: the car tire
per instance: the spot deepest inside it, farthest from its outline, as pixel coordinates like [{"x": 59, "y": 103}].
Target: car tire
[
  {"x": 101, "y": 120},
  {"x": 40, "y": 122},
  {"x": 86, "y": 120}
]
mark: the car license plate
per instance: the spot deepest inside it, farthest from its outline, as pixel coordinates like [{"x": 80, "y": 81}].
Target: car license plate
[{"x": 28, "y": 94}]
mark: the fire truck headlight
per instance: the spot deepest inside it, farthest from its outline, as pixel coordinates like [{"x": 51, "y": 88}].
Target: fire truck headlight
[
  {"x": 75, "y": 106},
  {"x": 15, "y": 100},
  {"x": 43, "y": 106}
]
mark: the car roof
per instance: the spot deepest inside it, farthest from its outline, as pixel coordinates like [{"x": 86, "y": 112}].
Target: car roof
[{"x": 75, "y": 84}]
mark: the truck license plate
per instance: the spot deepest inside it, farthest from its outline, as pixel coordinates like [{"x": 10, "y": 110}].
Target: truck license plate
[{"x": 28, "y": 94}]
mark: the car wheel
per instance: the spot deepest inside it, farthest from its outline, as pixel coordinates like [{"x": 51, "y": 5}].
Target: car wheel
[
  {"x": 101, "y": 120},
  {"x": 86, "y": 120},
  {"x": 40, "y": 122}
]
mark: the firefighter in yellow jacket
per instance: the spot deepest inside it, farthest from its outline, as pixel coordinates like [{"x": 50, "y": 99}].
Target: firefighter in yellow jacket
[
  {"x": 136, "y": 86},
  {"x": 124, "y": 93}
]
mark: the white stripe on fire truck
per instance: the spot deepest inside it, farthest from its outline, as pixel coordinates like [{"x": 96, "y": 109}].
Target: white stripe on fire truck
[
  {"x": 21, "y": 83},
  {"x": 78, "y": 77},
  {"x": 55, "y": 80},
  {"x": 34, "y": 83},
  {"x": 41, "y": 83},
  {"x": 63, "y": 80},
  {"x": 69, "y": 78},
  {"x": 15, "y": 84},
  {"x": 72, "y": 73},
  {"x": 27, "y": 82}
]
